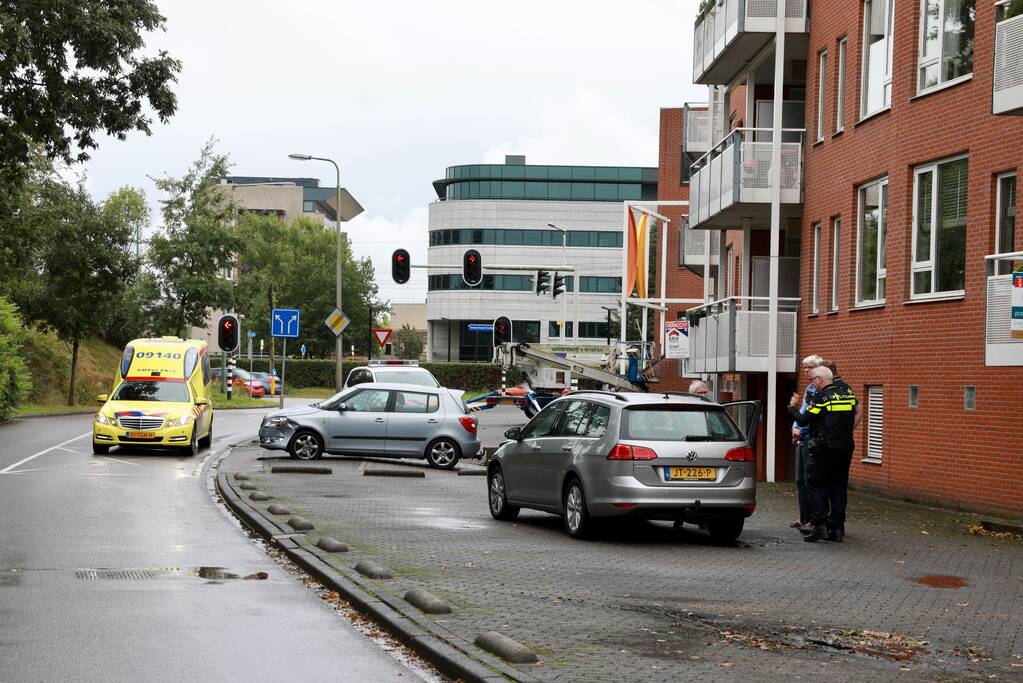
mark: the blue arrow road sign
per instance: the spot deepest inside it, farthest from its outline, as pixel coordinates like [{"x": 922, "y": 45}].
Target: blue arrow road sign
[
  {"x": 284, "y": 322},
  {"x": 251, "y": 333}
]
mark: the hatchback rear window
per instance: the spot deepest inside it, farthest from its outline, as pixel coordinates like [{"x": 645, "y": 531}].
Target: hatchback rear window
[
  {"x": 678, "y": 423},
  {"x": 420, "y": 377}
]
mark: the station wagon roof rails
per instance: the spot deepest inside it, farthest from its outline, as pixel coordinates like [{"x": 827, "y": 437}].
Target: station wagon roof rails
[
  {"x": 666, "y": 394},
  {"x": 392, "y": 363},
  {"x": 612, "y": 394}
]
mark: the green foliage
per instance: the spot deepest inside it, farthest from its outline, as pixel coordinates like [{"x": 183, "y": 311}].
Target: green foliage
[
  {"x": 72, "y": 70},
  {"x": 196, "y": 248},
  {"x": 15, "y": 381},
  {"x": 1013, "y": 9},
  {"x": 408, "y": 343}
]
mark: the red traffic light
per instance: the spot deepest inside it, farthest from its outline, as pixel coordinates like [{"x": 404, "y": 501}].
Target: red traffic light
[
  {"x": 472, "y": 268},
  {"x": 502, "y": 330},
  {"x": 400, "y": 266},
  {"x": 227, "y": 333}
]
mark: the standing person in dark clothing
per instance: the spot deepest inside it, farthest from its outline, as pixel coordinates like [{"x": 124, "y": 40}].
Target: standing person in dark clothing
[
  {"x": 830, "y": 416},
  {"x": 841, "y": 384},
  {"x": 800, "y": 436}
]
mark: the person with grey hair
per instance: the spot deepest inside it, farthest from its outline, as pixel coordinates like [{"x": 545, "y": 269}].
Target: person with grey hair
[
  {"x": 699, "y": 387},
  {"x": 829, "y": 450},
  {"x": 800, "y": 435}
]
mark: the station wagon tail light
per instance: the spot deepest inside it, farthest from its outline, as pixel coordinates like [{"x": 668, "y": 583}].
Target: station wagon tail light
[
  {"x": 468, "y": 423},
  {"x": 626, "y": 452},
  {"x": 743, "y": 454}
]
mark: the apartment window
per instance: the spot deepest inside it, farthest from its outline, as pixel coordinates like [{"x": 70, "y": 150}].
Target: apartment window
[
  {"x": 840, "y": 88},
  {"x": 969, "y": 398},
  {"x": 815, "y": 298},
  {"x": 914, "y": 396},
  {"x": 871, "y": 235},
  {"x": 876, "y": 80},
  {"x": 946, "y": 35},
  {"x": 836, "y": 228},
  {"x": 822, "y": 66},
  {"x": 1005, "y": 220},
  {"x": 939, "y": 227},
  {"x": 875, "y": 423}
]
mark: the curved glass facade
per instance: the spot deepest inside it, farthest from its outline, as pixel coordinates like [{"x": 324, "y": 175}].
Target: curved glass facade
[
  {"x": 564, "y": 183},
  {"x": 525, "y": 237},
  {"x": 523, "y": 283}
]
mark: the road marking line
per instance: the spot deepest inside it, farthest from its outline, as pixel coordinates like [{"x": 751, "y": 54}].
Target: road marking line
[
  {"x": 7, "y": 469},
  {"x": 126, "y": 462}
]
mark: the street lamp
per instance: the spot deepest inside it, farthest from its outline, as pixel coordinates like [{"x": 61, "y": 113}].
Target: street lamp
[
  {"x": 564, "y": 238},
  {"x": 609, "y": 310},
  {"x": 338, "y": 351}
]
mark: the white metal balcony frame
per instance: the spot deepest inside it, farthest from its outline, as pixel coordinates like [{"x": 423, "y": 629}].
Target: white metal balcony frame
[
  {"x": 738, "y": 170},
  {"x": 740, "y": 28},
  {"x": 733, "y": 336},
  {"x": 1007, "y": 80},
  {"x": 696, "y": 128},
  {"x": 1000, "y": 349}
]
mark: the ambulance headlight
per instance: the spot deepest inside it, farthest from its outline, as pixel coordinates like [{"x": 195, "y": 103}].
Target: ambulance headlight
[{"x": 181, "y": 421}]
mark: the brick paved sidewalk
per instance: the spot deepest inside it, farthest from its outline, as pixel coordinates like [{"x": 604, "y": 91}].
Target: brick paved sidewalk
[{"x": 648, "y": 602}]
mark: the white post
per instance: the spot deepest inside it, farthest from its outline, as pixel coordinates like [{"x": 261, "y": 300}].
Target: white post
[
  {"x": 664, "y": 283},
  {"x": 578, "y": 291},
  {"x": 772, "y": 309},
  {"x": 575, "y": 281},
  {"x": 625, "y": 265},
  {"x": 284, "y": 360}
]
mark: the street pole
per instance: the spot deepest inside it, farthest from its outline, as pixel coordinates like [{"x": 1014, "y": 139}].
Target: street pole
[
  {"x": 575, "y": 279},
  {"x": 369, "y": 338}
]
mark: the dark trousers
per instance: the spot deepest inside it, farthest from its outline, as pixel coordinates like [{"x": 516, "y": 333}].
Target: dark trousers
[
  {"x": 827, "y": 478},
  {"x": 801, "y": 490}
]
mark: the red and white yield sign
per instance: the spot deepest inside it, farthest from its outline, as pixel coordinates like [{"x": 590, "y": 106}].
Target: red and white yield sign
[{"x": 382, "y": 336}]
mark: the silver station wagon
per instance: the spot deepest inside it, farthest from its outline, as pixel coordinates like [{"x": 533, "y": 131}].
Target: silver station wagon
[
  {"x": 592, "y": 454},
  {"x": 383, "y": 420}
]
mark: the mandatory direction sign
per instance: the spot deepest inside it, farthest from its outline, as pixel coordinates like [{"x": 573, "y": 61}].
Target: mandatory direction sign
[
  {"x": 284, "y": 322},
  {"x": 337, "y": 321}
]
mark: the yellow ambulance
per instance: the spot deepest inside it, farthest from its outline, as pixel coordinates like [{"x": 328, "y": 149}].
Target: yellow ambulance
[{"x": 160, "y": 398}]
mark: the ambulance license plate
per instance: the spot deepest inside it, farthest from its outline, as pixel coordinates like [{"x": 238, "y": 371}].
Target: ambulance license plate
[{"x": 141, "y": 435}]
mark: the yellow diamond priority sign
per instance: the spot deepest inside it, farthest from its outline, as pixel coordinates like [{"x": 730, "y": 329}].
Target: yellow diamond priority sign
[{"x": 337, "y": 321}]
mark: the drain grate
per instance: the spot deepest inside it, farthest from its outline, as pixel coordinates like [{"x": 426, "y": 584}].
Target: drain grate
[{"x": 129, "y": 574}]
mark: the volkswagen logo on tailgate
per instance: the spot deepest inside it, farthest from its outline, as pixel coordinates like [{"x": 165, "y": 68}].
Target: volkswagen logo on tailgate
[{"x": 691, "y": 456}]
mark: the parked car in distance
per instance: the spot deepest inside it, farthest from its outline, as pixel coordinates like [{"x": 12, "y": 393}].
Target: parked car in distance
[
  {"x": 594, "y": 454},
  {"x": 401, "y": 371},
  {"x": 270, "y": 387},
  {"x": 380, "y": 419},
  {"x": 244, "y": 381}
]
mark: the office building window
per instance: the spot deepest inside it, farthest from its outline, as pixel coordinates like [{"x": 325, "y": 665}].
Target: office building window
[
  {"x": 939, "y": 227},
  {"x": 309, "y": 206},
  {"x": 946, "y": 41},
  {"x": 815, "y": 296},
  {"x": 836, "y": 228},
  {"x": 822, "y": 67},
  {"x": 526, "y": 237},
  {"x": 871, "y": 235},
  {"x": 840, "y": 87},
  {"x": 1005, "y": 220},
  {"x": 876, "y": 78}
]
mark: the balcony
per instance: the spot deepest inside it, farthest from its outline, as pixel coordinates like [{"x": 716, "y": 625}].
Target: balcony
[
  {"x": 732, "y": 336},
  {"x": 1007, "y": 86},
  {"x": 1002, "y": 345},
  {"x": 732, "y": 32},
  {"x": 696, "y": 127},
  {"x": 691, "y": 248},
  {"x": 732, "y": 182}
]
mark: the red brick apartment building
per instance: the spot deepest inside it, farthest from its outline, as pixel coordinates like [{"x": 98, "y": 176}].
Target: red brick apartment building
[{"x": 900, "y": 172}]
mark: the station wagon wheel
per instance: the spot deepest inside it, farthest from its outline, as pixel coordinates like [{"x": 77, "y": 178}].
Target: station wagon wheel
[
  {"x": 306, "y": 446},
  {"x": 443, "y": 454},
  {"x": 577, "y": 518},
  {"x": 499, "y": 507}
]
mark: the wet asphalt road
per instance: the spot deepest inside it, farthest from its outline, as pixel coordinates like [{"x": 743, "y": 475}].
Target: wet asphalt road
[{"x": 101, "y": 573}]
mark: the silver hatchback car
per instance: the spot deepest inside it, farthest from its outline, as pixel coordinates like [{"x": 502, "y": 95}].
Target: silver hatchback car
[
  {"x": 383, "y": 420},
  {"x": 593, "y": 454}
]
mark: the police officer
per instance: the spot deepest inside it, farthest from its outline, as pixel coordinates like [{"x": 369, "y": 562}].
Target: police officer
[{"x": 830, "y": 416}]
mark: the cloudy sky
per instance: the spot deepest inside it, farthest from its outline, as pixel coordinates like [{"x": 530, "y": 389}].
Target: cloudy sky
[{"x": 397, "y": 91}]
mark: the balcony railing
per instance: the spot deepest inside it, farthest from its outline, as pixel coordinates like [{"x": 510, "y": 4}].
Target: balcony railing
[
  {"x": 691, "y": 248},
  {"x": 1007, "y": 86},
  {"x": 732, "y": 336},
  {"x": 697, "y": 129},
  {"x": 738, "y": 171},
  {"x": 1001, "y": 346},
  {"x": 733, "y": 31}
]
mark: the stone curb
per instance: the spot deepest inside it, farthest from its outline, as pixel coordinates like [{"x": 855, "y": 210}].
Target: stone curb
[
  {"x": 506, "y": 648},
  {"x": 1002, "y": 527},
  {"x": 453, "y": 656},
  {"x": 389, "y": 472},
  {"x": 298, "y": 469}
]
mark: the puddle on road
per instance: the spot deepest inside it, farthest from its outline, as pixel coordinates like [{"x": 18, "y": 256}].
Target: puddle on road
[
  {"x": 941, "y": 581},
  {"x": 452, "y": 523},
  {"x": 213, "y": 573}
]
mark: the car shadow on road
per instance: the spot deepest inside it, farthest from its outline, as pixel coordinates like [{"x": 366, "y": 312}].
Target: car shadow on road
[{"x": 628, "y": 532}]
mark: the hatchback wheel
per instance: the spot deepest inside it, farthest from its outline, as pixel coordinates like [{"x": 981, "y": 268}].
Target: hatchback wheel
[
  {"x": 306, "y": 446},
  {"x": 725, "y": 531},
  {"x": 443, "y": 454},
  {"x": 499, "y": 507},
  {"x": 577, "y": 518}
]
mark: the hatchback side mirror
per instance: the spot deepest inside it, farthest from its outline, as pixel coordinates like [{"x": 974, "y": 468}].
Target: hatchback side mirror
[
  {"x": 341, "y": 407},
  {"x": 514, "y": 434}
]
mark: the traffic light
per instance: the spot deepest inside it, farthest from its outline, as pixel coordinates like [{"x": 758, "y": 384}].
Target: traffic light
[
  {"x": 559, "y": 285},
  {"x": 227, "y": 333},
  {"x": 502, "y": 330},
  {"x": 472, "y": 267},
  {"x": 543, "y": 282},
  {"x": 400, "y": 266}
]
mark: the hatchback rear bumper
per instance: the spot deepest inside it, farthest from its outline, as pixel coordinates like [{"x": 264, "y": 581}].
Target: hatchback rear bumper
[{"x": 627, "y": 497}]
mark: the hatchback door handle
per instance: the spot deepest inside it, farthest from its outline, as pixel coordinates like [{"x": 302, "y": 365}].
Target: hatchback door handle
[
  {"x": 535, "y": 447},
  {"x": 433, "y": 421},
  {"x": 565, "y": 449},
  {"x": 379, "y": 419}
]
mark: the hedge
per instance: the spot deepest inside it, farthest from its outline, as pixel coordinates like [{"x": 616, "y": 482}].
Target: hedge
[{"x": 15, "y": 381}]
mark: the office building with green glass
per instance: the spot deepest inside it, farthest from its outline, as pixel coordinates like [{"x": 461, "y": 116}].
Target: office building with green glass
[{"x": 505, "y": 212}]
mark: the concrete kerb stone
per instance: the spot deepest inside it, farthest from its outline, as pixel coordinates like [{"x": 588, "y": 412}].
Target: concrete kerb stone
[
  {"x": 472, "y": 472},
  {"x": 260, "y": 496},
  {"x": 371, "y": 569},
  {"x": 248, "y": 486},
  {"x": 241, "y": 476},
  {"x": 391, "y": 472},
  {"x": 506, "y": 648},
  {"x": 300, "y": 524},
  {"x": 427, "y": 602},
  {"x": 276, "y": 509},
  {"x": 331, "y": 545},
  {"x": 299, "y": 469},
  {"x": 445, "y": 650}
]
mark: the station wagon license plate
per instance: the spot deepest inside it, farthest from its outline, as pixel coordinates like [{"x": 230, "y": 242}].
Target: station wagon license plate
[
  {"x": 690, "y": 473},
  {"x": 141, "y": 435}
]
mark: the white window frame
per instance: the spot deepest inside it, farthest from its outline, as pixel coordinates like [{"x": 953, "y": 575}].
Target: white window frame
[
  {"x": 836, "y": 229},
  {"x": 840, "y": 93},
  {"x": 874, "y": 452},
  {"x": 729, "y": 287},
  {"x": 822, "y": 67},
  {"x": 929, "y": 263},
  {"x": 886, "y": 80},
  {"x": 927, "y": 62},
  {"x": 880, "y": 257},
  {"x": 1002, "y": 267},
  {"x": 815, "y": 291}
]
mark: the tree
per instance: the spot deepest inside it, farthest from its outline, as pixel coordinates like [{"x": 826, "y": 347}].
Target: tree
[
  {"x": 72, "y": 70},
  {"x": 408, "y": 343},
  {"x": 15, "y": 380},
  {"x": 196, "y": 249},
  {"x": 80, "y": 264}
]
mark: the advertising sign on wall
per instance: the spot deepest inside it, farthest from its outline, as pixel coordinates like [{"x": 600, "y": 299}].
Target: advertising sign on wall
[{"x": 676, "y": 339}]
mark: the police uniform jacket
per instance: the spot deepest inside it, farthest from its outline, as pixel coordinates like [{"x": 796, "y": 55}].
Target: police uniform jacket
[{"x": 831, "y": 415}]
